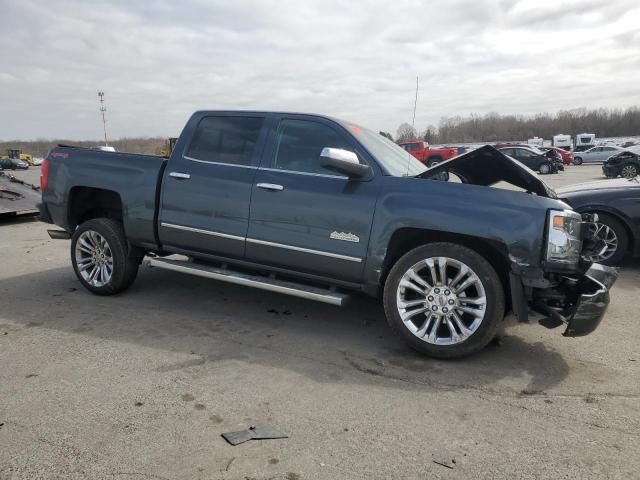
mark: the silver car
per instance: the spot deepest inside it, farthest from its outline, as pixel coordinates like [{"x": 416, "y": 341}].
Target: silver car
[{"x": 595, "y": 154}]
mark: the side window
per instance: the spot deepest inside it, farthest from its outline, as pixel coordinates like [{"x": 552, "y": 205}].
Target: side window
[
  {"x": 226, "y": 139},
  {"x": 299, "y": 143},
  {"x": 519, "y": 153}
]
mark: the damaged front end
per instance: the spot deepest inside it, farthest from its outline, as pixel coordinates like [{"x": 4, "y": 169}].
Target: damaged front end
[
  {"x": 577, "y": 299},
  {"x": 564, "y": 287},
  {"x": 577, "y": 302}
]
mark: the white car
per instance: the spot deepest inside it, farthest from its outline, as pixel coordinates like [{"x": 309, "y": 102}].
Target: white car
[{"x": 595, "y": 154}]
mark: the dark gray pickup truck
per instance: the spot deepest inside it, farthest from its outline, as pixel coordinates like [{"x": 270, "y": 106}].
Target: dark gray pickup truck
[{"x": 316, "y": 207}]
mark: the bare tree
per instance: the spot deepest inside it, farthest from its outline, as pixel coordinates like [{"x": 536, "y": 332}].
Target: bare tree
[{"x": 406, "y": 133}]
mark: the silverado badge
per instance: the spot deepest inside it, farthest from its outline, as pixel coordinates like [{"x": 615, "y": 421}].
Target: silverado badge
[{"x": 347, "y": 237}]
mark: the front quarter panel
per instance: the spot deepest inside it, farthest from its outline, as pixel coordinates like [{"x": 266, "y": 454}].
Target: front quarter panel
[{"x": 513, "y": 219}]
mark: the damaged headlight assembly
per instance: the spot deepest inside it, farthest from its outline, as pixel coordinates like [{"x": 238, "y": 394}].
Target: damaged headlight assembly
[{"x": 564, "y": 238}]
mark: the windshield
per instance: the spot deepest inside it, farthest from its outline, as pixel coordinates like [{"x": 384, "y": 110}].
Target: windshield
[{"x": 393, "y": 158}]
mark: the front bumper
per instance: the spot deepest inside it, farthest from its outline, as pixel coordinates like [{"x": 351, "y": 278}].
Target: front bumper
[
  {"x": 610, "y": 170},
  {"x": 577, "y": 301},
  {"x": 592, "y": 302}
]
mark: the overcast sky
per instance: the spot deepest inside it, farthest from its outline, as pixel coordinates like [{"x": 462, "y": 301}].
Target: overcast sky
[{"x": 157, "y": 61}]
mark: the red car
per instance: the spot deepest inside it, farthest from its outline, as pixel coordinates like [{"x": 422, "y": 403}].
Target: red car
[
  {"x": 427, "y": 155},
  {"x": 567, "y": 157}
]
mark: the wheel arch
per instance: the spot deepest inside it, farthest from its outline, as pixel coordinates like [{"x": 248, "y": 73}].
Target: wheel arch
[
  {"x": 85, "y": 203},
  {"x": 407, "y": 238}
]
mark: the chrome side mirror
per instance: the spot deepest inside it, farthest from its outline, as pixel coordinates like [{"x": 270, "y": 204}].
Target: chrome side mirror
[{"x": 343, "y": 161}]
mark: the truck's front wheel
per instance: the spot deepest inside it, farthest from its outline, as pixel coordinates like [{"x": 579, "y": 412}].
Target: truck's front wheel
[
  {"x": 444, "y": 300},
  {"x": 102, "y": 258}
]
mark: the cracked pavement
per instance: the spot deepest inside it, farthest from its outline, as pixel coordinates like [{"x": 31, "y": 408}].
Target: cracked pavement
[{"x": 141, "y": 385}]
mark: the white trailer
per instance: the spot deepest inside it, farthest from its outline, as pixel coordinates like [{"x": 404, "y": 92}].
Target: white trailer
[
  {"x": 535, "y": 142},
  {"x": 562, "y": 141},
  {"x": 585, "y": 139}
]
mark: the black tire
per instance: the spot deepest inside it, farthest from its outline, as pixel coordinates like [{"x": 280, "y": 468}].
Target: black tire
[
  {"x": 546, "y": 168},
  {"x": 434, "y": 161},
  {"x": 577, "y": 160},
  {"x": 622, "y": 235},
  {"x": 126, "y": 260},
  {"x": 630, "y": 170},
  {"x": 495, "y": 299}
]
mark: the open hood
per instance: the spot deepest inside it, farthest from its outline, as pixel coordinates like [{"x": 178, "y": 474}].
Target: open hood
[{"x": 487, "y": 166}]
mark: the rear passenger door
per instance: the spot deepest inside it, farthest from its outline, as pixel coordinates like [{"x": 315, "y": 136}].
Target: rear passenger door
[
  {"x": 306, "y": 218},
  {"x": 207, "y": 186}
]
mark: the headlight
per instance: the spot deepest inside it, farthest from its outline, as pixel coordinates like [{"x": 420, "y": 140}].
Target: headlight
[{"x": 564, "y": 241}]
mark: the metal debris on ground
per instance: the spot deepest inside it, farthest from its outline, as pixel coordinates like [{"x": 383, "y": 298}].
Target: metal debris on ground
[
  {"x": 445, "y": 463},
  {"x": 259, "y": 432}
]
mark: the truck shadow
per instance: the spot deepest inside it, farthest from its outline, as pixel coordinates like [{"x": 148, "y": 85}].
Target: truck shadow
[{"x": 216, "y": 322}]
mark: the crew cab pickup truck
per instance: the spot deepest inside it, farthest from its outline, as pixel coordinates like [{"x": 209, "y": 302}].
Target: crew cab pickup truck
[
  {"x": 428, "y": 155},
  {"x": 319, "y": 208}
]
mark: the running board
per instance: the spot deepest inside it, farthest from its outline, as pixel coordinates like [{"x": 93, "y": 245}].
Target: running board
[{"x": 257, "y": 281}]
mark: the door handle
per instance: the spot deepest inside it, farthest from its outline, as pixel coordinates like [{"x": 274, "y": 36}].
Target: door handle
[
  {"x": 270, "y": 186},
  {"x": 180, "y": 175}
]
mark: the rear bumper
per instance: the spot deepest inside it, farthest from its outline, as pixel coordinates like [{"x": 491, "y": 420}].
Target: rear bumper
[
  {"x": 44, "y": 215},
  {"x": 593, "y": 300}
]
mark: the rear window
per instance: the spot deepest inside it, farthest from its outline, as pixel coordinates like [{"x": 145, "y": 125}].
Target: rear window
[{"x": 230, "y": 140}]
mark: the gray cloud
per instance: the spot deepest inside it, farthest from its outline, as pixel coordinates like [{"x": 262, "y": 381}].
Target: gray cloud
[{"x": 158, "y": 61}]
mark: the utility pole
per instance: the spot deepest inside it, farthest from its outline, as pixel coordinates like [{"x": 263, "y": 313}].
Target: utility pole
[
  {"x": 104, "y": 121},
  {"x": 415, "y": 103}
]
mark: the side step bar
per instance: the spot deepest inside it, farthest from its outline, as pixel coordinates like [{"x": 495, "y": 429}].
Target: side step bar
[{"x": 257, "y": 281}]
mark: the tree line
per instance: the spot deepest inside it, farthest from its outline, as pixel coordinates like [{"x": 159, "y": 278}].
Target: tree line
[
  {"x": 493, "y": 127},
  {"x": 40, "y": 147}
]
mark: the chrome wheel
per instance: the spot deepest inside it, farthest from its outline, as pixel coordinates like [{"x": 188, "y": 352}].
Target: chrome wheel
[
  {"x": 629, "y": 171},
  {"x": 441, "y": 301},
  {"x": 94, "y": 258},
  {"x": 609, "y": 240}
]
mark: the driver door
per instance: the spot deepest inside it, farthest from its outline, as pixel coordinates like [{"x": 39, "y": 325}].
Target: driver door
[{"x": 306, "y": 218}]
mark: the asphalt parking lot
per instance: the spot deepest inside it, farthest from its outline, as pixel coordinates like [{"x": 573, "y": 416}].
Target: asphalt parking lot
[{"x": 141, "y": 385}]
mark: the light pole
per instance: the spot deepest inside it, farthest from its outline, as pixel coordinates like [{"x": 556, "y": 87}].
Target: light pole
[{"x": 104, "y": 121}]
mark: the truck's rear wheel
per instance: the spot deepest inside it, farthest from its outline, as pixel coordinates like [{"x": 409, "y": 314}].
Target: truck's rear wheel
[
  {"x": 444, "y": 300},
  {"x": 433, "y": 161},
  {"x": 102, "y": 258}
]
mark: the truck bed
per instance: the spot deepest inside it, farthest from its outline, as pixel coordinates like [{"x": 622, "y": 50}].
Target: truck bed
[{"x": 81, "y": 171}]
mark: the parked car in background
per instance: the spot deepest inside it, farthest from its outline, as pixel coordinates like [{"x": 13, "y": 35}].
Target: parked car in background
[
  {"x": 595, "y": 154},
  {"x": 428, "y": 155},
  {"x": 534, "y": 160},
  {"x": 617, "y": 203},
  {"x": 13, "y": 164},
  {"x": 623, "y": 164},
  {"x": 565, "y": 155},
  {"x": 553, "y": 156}
]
